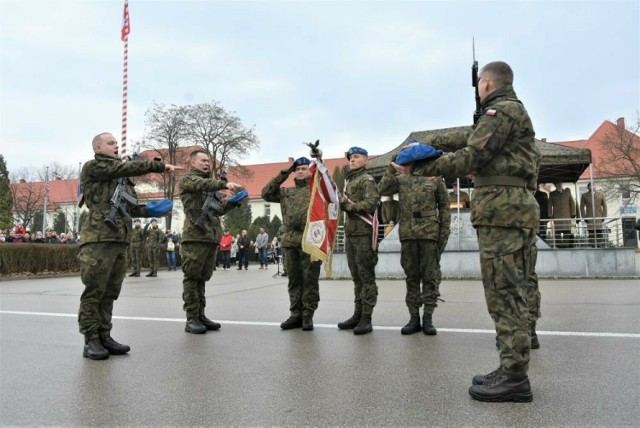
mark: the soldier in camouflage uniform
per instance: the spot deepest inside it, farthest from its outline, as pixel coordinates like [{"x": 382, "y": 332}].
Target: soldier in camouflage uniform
[
  {"x": 502, "y": 154},
  {"x": 302, "y": 273},
  {"x": 103, "y": 251},
  {"x": 360, "y": 202},
  {"x": 199, "y": 247},
  {"x": 154, "y": 240},
  {"x": 137, "y": 244},
  {"x": 425, "y": 220}
]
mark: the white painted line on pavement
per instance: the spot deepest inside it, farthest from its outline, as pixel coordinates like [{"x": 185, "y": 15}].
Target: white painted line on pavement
[{"x": 377, "y": 327}]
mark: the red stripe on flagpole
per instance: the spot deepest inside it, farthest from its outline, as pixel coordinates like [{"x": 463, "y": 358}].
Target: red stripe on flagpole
[{"x": 124, "y": 34}]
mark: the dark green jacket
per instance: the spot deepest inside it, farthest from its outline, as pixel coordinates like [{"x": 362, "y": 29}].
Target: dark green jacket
[
  {"x": 137, "y": 237},
  {"x": 294, "y": 204},
  {"x": 502, "y": 144},
  {"x": 98, "y": 180},
  {"x": 193, "y": 192},
  {"x": 361, "y": 189},
  {"x": 424, "y": 206},
  {"x": 154, "y": 237}
]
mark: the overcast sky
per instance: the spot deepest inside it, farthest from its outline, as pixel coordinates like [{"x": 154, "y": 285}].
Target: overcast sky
[{"x": 363, "y": 73}]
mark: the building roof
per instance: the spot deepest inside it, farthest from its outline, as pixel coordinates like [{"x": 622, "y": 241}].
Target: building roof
[
  {"x": 60, "y": 191},
  {"x": 600, "y": 144},
  {"x": 559, "y": 163}
]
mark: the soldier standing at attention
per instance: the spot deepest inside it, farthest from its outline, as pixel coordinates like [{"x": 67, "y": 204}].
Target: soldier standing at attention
[
  {"x": 302, "y": 274},
  {"x": 425, "y": 220},
  {"x": 137, "y": 244},
  {"x": 154, "y": 240},
  {"x": 199, "y": 246},
  {"x": 103, "y": 250},
  {"x": 360, "y": 202},
  {"x": 502, "y": 154}
]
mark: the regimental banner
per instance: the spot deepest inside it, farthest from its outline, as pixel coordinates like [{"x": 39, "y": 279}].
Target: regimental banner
[{"x": 322, "y": 218}]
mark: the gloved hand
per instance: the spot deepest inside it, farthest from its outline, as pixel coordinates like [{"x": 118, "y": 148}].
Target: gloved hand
[{"x": 346, "y": 207}]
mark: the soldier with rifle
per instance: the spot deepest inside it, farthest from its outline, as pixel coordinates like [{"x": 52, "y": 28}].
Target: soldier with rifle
[
  {"x": 106, "y": 233},
  {"x": 203, "y": 206}
]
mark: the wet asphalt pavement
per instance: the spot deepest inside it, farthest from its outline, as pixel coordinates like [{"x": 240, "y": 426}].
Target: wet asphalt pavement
[{"x": 587, "y": 372}]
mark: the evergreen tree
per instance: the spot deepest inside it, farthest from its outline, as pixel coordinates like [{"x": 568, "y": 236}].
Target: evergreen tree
[
  {"x": 36, "y": 222},
  {"x": 257, "y": 224},
  {"x": 238, "y": 219},
  {"x": 276, "y": 223},
  {"x": 6, "y": 201},
  {"x": 60, "y": 223}
]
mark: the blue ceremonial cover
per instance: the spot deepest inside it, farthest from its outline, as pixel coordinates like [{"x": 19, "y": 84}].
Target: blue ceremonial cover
[
  {"x": 238, "y": 197},
  {"x": 158, "y": 208},
  {"x": 417, "y": 152}
]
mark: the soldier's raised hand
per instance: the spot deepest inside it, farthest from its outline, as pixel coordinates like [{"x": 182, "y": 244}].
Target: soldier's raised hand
[
  {"x": 172, "y": 168},
  {"x": 231, "y": 185}
]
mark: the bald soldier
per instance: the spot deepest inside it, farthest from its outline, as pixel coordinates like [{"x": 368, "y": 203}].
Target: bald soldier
[
  {"x": 501, "y": 153},
  {"x": 103, "y": 249}
]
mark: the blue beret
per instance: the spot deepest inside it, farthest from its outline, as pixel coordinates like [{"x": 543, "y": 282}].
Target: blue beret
[
  {"x": 356, "y": 151},
  {"x": 238, "y": 197},
  {"x": 416, "y": 152},
  {"x": 158, "y": 208},
  {"x": 301, "y": 161}
]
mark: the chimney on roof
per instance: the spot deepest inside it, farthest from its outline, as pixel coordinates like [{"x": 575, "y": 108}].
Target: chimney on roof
[
  {"x": 544, "y": 140},
  {"x": 22, "y": 180},
  {"x": 291, "y": 159},
  {"x": 620, "y": 122}
]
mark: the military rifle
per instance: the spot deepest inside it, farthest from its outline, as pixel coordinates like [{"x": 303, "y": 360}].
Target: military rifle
[
  {"x": 474, "y": 82},
  {"x": 212, "y": 205}
]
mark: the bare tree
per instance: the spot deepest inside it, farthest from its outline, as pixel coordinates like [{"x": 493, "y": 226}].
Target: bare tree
[
  {"x": 56, "y": 169},
  {"x": 28, "y": 196},
  {"x": 620, "y": 161},
  {"x": 221, "y": 134}
]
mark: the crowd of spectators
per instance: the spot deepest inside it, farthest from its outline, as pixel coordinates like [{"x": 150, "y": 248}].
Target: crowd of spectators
[{"x": 20, "y": 235}]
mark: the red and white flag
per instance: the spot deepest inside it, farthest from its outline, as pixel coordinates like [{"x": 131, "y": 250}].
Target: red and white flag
[
  {"x": 322, "y": 218},
  {"x": 126, "y": 25}
]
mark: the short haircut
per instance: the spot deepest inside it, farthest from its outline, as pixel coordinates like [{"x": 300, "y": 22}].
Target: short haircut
[
  {"x": 96, "y": 139},
  {"x": 498, "y": 72},
  {"x": 195, "y": 153}
]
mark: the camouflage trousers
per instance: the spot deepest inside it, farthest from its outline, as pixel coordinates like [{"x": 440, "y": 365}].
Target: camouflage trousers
[
  {"x": 136, "y": 259},
  {"x": 362, "y": 261},
  {"x": 419, "y": 260},
  {"x": 198, "y": 261},
  {"x": 532, "y": 290},
  {"x": 102, "y": 269},
  {"x": 154, "y": 255},
  {"x": 303, "y": 286},
  {"x": 505, "y": 255}
]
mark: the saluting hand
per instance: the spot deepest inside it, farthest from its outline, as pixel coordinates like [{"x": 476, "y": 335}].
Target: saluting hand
[{"x": 231, "y": 185}]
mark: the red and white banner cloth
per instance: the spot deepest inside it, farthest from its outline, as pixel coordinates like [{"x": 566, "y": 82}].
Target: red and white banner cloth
[{"x": 322, "y": 218}]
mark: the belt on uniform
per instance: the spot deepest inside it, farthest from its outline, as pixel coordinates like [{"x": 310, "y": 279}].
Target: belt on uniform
[
  {"x": 499, "y": 180},
  {"x": 422, "y": 214}
]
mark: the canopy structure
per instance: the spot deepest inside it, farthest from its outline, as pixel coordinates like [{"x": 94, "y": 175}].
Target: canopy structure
[{"x": 559, "y": 163}]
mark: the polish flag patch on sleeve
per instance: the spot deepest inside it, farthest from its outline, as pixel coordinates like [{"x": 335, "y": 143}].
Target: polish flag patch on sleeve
[{"x": 491, "y": 112}]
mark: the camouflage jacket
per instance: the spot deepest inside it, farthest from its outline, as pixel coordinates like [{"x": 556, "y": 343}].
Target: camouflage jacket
[
  {"x": 154, "y": 237},
  {"x": 98, "y": 180},
  {"x": 361, "y": 189},
  {"x": 137, "y": 237},
  {"x": 294, "y": 203},
  {"x": 502, "y": 144},
  {"x": 193, "y": 192},
  {"x": 424, "y": 206}
]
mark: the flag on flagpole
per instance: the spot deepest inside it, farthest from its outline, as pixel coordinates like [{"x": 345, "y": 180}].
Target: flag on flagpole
[
  {"x": 126, "y": 25},
  {"x": 320, "y": 231}
]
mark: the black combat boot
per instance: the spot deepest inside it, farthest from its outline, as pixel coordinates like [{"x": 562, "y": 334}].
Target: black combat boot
[
  {"x": 112, "y": 346},
  {"x": 194, "y": 325},
  {"x": 503, "y": 387},
  {"x": 307, "y": 323},
  {"x": 154, "y": 273},
  {"x": 413, "y": 326},
  {"x": 427, "y": 325},
  {"x": 94, "y": 350},
  {"x": 209, "y": 325},
  {"x": 149, "y": 274},
  {"x": 134, "y": 274},
  {"x": 351, "y": 323},
  {"x": 535, "y": 343},
  {"x": 482, "y": 379},
  {"x": 291, "y": 323},
  {"x": 364, "y": 326}
]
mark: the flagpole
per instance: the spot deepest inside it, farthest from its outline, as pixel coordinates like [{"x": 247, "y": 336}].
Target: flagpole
[
  {"x": 77, "y": 226},
  {"x": 125, "y": 76},
  {"x": 46, "y": 196}
]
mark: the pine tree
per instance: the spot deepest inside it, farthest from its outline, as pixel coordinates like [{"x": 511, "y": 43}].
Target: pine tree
[
  {"x": 238, "y": 219},
  {"x": 60, "y": 223},
  {"x": 6, "y": 199},
  {"x": 36, "y": 222}
]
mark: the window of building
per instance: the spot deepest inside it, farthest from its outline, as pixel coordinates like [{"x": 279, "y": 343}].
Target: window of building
[
  {"x": 626, "y": 197},
  {"x": 267, "y": 210}
]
